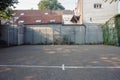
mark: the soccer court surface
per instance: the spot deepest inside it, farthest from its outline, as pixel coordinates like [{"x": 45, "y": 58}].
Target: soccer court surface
[{"x": 60, "y": 62}]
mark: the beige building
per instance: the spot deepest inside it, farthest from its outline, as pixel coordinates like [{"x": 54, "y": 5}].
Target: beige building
[{"x": 95, "y": 11}]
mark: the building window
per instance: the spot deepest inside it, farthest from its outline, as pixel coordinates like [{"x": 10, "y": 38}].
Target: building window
[
  {"x": 97, "y": 6},
  {"x": 21, "y": 21},
  {"x": 46, "y": 13},
  {"x": 52, "y": 21},
  {"x": 38, "y": 21},
  {"x": 22, "y": 14},
  {"x": 90, "y": 19}
]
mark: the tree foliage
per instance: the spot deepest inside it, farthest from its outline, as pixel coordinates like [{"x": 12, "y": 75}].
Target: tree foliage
[
  {"x": 6, "y": 3},
  {"x": 5, "y": 11},
  {"x": 50, "y": 5},
  {"x": 111, "y": 1}
]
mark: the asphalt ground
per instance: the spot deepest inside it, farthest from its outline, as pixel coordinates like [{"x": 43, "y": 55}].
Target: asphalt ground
[{"x": 60, "y": 62}]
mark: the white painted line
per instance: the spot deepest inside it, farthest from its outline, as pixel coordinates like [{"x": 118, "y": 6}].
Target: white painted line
[
  {"x": 63, "y": 67},
  {"x": 92, "y": 67},
  {"x": 30, "y": 66}
]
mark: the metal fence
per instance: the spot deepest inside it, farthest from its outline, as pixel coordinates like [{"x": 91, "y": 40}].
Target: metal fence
[
  {"x": 60, "y": 34},
  {"x": 52, "y": 34},
  {"x": 12, "y": 35},
  {"x": 94, "y": 34}
]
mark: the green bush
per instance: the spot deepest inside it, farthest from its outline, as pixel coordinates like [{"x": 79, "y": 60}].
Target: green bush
[{"x": 111, "y": 31}]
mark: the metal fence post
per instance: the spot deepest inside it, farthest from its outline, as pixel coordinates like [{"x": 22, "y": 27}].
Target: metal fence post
[
  {"x": 46, "y": 35},
  {"x": 32, "y": 36},
  {"x": 74, "y": 35},
  {"x": 18, "y": 39},
  {"x": 60, "y": 36},
  {"x": 8, "y": 37},
  {"x": 53, "y": 36}
]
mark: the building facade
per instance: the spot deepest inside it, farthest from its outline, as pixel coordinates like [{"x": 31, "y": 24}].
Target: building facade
[{"x": 96, "y": 11}]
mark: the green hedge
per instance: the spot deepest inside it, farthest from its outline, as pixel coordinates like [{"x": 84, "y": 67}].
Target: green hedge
[
  {"x": 117, "y": 22},
  {"x": 111, "y": 31}
]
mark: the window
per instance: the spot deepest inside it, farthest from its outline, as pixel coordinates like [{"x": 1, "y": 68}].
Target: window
[
  {"x": 38, "y": 21},
  {"x": 21, "y": 21},
  {"x": 52, "y": 21},
  {"x": 22, "y": 14},
  {"x": 97, "y": 6},
  {"x": 46, "y": 13}
]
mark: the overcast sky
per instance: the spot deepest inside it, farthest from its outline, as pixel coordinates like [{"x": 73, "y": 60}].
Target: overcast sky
[
  {"x": 119, "y": 6},
  {"x": 28, "y": 4}
]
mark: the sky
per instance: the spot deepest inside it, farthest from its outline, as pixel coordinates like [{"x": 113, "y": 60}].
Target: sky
[
  {"x": 32, "y": 4},
  {"x": 119, "y": 7},
  {"x": 29, "y": 4}
]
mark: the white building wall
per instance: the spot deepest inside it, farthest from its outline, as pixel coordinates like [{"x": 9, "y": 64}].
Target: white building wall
[
  {"x": 67, "y": 18},
  {"x": 98, "y": 15}
]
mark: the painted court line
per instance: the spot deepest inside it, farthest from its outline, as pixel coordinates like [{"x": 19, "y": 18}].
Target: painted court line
[
  {"x": 30, "y": 66},
  {"x": 63, "y": 67}
]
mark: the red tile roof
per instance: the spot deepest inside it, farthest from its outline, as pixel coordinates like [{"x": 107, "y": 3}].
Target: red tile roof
[
  {"x": 37, "y": 12},
  {"x": 44, "y": 19},
  {"x": 41, "y": 12},
  {"x": 30, "y": 16}
]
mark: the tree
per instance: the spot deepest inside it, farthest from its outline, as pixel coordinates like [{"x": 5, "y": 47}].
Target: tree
[
  {"x": 50, "y": 5},
  {"x": 111, "y": 1},
  {"x": 5, "y": 11},
  {"x": 7, "y": 3}
]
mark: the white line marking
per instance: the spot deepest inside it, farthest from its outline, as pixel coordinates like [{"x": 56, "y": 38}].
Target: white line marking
[
  {"x": 63, "y": 67},
  {"x": 30, "y": 66},
  {"x": 92, "y": 67}
]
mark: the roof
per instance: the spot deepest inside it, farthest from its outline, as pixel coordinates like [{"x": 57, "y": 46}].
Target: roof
[
  {"x": 44, "y": 16},
  {"x": 68, "y": 12},
  {"x": 41, "y": 19},
  {"x": 42, "y": 12},
  {"x": 37, "y": 12}
]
